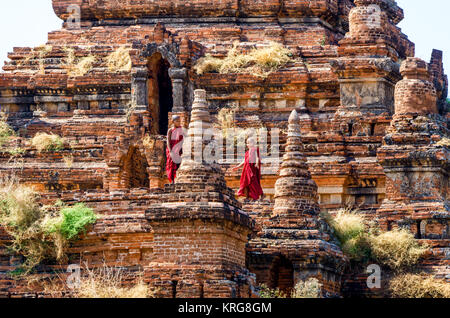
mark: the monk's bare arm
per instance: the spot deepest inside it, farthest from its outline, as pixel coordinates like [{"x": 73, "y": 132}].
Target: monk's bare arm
[{"x": 239, "y": 166}]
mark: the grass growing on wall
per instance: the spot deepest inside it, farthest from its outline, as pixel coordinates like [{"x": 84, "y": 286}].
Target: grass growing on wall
[
  {"x": 101, "y": 282},
  {"x": 39, "y": 232},
  {"x": 418, "y": 286},
  {"x": 119, "y": 60},
  {"x": 444, "y": 142},
  {"x": 260, "y": 62},
  {"x": 5, "y": 130},
  {"x": 396, "y": 249},
  {"x": 38, "y": 54},
  {"x": 362, "y": 241},
  {"x": 108, "y": 283},
  {"x": 7, "y": 135},
  {"x": 73, "y": 221},
  {"x": 351, "y": 230},
  {"x": 310, "y": 288},
  {"x": 47, "y": 142},
  {"x": 82, "y": 66}
]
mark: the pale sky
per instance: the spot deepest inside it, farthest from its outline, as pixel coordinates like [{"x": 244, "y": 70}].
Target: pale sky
[{"x": 26, "y": 23}]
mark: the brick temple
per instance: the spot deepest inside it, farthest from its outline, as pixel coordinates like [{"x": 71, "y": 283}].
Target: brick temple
[{"x": 361, "y": 118}]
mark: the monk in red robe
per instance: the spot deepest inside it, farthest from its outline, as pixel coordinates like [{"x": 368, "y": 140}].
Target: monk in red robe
[
  {"x": 174, "y": 149},
  {"x": 251, "y": 174}
]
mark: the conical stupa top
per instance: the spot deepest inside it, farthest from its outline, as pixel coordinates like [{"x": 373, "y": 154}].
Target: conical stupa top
[
  {"x": 295, "y": 192},
  {"x": 294, "y": 161},
  {"x": 195, "y": 166},
  {"x": 200, "y": 112}
]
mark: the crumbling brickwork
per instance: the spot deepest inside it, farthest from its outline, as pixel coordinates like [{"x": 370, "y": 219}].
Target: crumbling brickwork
[
  {"x": 365, "y": 133},
  {"x": 297, "y": 244},
  {"x": 416, "y": 165}
]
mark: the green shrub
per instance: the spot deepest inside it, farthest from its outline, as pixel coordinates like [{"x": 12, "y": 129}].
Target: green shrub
[
  {"x": 358, "y": 248},
  {"x": 39, "y": 232},
  {"x": 75, "y": 220}
]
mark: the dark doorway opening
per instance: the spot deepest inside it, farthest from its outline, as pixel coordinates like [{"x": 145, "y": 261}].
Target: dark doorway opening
[
  {"x": 282, "y": 274},
  {"x": 160, "y": 94},
  {"x": 165, "y": 97}
]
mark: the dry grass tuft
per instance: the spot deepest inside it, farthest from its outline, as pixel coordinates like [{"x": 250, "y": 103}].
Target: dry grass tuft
[
  {"x": 397, "y": 249},
  {"x": 71, "y": 57},
  {"x": 20, "y": 216},
  {"x": 6, "y": 131},
  {"x": 82, "y": 66},
  {"x": 38, "y": 54},
  {"x": 260, "y": 62},
  {"x": 103, "y": 282},
  {"x": 444, "y": 142},
  {"x": 108, "y": 282},
  {"x": 352, "y": 232},
  {"x": 348, "y": 225},
  {"x": 39, "y": 232},
  {"x": 208, "y": 64},
  {"x": 43, "y": 50},
  {"x": 47, "y": 142},
  {"x": 119, "y": 60},
  {"x": 419, "y": 286},
  {"x": 68, "y": 161},
  {"x": 310, "y": 288}
]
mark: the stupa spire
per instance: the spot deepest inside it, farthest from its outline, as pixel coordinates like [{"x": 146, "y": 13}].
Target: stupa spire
[{"x": 295, "y": 191}]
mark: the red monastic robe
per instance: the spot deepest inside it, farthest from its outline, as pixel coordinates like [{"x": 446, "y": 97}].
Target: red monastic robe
[
  {"x": 251, "y": 176},
  {"x": 176, "y": 145}
]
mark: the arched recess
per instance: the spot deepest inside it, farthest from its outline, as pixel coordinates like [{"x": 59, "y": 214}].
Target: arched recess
[
  {"x": 161, "y": 86},
  {"x": 134, "y": 170},
  {"x": 160, "y": 93},
  {"x": 282, "y": 274}
]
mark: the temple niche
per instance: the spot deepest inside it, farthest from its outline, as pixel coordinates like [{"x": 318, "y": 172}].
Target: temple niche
[{"x": 362, "y": 124}]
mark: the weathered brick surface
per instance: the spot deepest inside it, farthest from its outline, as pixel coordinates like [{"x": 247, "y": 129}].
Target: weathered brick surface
[
  {"x": 199, "y": 224},
  {"x": 345, "y": 83},
  {"x": 296, "y": 243},
  {"x": 417, "y": 167}
]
